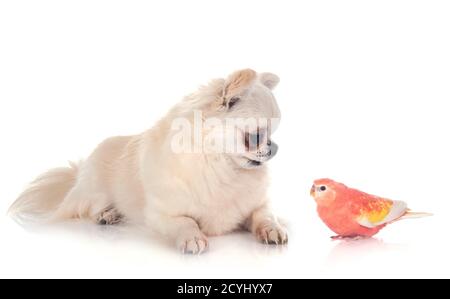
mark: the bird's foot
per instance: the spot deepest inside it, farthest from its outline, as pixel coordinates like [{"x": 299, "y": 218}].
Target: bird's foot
[{"x": 347, "y": 237}]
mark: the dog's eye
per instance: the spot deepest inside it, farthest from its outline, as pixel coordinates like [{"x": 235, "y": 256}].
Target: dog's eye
[
  {"x": 322, "y": 188},
  {"x": 233, "y": 101},
  {"x": 256, "y": 139}
]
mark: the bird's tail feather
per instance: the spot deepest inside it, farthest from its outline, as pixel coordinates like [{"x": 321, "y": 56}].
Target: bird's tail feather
[{"x": 410, "y": 214}]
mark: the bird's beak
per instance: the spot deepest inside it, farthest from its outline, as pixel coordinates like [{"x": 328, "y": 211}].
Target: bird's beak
[{"x": 312, "y": 192}]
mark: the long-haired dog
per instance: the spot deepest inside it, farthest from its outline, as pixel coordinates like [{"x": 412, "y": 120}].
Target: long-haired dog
[{"x": 199, "y": 172}]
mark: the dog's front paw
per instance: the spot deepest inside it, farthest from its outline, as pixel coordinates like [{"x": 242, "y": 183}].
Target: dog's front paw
[
  {"x": 271, "y": 233},
  {"x": 194, "y": 242}
]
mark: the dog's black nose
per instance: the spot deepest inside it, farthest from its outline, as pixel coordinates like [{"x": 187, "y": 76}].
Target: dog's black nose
[{"x": 273, "y": 148}]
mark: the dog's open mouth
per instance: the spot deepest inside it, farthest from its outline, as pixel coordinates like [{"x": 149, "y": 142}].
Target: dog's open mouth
[{"x": 254, "y": 162}]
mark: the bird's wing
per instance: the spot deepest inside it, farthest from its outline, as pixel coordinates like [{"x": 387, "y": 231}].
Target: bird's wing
[{"x": 380, "y": 211}]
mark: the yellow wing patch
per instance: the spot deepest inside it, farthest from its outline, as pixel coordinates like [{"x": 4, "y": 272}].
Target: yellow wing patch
[
  {"x": 378, "y": 215},
  {"x": 375, "y": 212}
]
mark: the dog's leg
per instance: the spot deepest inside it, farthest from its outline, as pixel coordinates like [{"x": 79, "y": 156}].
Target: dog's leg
[
  {"x": 183, "y": 230},
  {"x": 266, "y": 228}
]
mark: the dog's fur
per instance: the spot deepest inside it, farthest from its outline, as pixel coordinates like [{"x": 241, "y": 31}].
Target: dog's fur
[{"x": 184, "y": 196}]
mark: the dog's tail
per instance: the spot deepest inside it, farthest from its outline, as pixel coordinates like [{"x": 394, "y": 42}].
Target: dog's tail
[{"x": 44, "y": 194}]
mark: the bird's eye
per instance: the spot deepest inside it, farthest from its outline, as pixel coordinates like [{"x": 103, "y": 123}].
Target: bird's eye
[{"x": 322, "y": 188}]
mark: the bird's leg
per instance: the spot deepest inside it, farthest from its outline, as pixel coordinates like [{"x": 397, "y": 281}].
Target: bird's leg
[{"x": 347, "y": 237}]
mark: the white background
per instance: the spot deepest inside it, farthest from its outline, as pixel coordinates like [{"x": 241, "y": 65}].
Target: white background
[{"x": 364, "y": 96}]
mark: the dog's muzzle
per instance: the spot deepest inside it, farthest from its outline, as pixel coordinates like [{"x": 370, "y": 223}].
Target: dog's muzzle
[
  {"x": 271, "y": 151},
  {"x": 261, "y": 157}
]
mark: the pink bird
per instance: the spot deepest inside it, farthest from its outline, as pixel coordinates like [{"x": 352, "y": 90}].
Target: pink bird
[{"x": 352, "y": 213}]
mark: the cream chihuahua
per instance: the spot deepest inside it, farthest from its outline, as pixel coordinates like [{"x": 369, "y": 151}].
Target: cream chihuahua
[{"x": 167, "y": 181}]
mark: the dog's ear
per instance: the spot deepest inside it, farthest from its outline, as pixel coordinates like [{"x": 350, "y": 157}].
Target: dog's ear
[
  {"x": 269, "y": 80},
  {"x": 236, "y": 84},
  {"x": 239, "y": 81}
]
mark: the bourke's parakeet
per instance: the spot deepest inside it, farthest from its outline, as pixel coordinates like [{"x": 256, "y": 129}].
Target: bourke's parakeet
[{"x": 352, "y": 213}]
